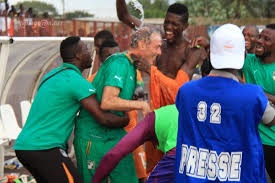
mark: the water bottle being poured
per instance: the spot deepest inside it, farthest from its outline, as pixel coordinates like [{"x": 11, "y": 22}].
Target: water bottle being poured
[{"x": 138, "y": 6}]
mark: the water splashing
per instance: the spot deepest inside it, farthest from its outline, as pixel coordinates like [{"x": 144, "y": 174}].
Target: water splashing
[{"x": 138, "y": 6}]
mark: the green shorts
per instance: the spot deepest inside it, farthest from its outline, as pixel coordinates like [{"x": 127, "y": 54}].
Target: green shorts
[{"x": 89, "y": 153}]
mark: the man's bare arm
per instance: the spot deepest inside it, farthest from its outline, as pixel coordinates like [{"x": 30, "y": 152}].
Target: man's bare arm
[
  {"x": 195, "y": 57},
  {"x": 112, "y": 101},
  {"x": 124, "y": 16},
  {"x": 103, "y": 117}
]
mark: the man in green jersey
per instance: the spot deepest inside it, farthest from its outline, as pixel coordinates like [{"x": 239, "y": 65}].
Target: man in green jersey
[
  {"x": 115, "y": 83},
  {"x": 260, "y": 69},
  {"x": 42, "y": 144}
]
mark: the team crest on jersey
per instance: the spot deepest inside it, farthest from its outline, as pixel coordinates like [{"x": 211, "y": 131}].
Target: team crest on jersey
[
  {"x": 273, "y": 75},
  {"x": 91, "y": 164}
]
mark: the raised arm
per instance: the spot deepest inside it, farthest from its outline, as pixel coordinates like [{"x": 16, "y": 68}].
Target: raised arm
[
  {"x": 195, "y": 56},
  {"x": 105, "y": 118},
  {"x": 124, "y": 16},
  {"x": 144, "y": 131}
]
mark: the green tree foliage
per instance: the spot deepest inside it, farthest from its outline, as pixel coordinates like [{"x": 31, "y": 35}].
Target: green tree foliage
[
  {"x": 159, "y": 8},
  {"x": 39, "y": 7},
  {"x": 77, "y": 14},
  {"x": 215, "y": 9},
  {"x": 222, "y": 10},
  {"x": 211, "y": 10}
]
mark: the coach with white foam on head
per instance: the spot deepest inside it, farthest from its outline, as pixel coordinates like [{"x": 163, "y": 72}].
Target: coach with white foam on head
[{"x": 218, "y": 139}]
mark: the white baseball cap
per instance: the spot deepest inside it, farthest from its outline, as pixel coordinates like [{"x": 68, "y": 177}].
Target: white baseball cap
[{"x": 227, "y": 47}]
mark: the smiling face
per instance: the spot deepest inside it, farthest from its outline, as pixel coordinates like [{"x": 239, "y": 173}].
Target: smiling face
[
  {"x": 173, "y": 27},
  {"x": 251, "y": 36},
  {"x": 146, "y": 44},
  {"x": 152, "y": 48},
  {"x": 266, "y": 43}
]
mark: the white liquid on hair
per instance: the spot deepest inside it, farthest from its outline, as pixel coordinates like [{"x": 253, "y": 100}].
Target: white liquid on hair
[{"x": 138, "y": 6}]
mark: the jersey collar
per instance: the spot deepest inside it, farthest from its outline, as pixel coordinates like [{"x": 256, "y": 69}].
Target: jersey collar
[
  {"x": 128, "y": 56},
  {"x": 225, "y": 74},
  {"x": 70, "y": 66}
]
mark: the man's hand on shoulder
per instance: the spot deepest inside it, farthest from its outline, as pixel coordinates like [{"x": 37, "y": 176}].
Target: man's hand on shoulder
[
  {"x": 145, "y": 108},
  {"x": 143, "y": 66}
]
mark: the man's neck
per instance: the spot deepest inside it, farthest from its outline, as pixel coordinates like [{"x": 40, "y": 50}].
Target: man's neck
[
  {"x": 76, "y": 64},
  {"x": 227, "y": 73}
]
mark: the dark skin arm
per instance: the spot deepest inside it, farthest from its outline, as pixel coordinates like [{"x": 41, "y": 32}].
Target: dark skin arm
[
  {"x": 124, "y": 16},
  {"x": 271, "y": 123},
  {"x": 271, "y": 98},
  {"x": 105, "y": 118},
  {"x": 201, "y": 41},
  {"x": 199, "y": 45},
  {"x": 190, "y": 64},
  {"x": 187, "y": 67},
  {"x": 143, "y": 66}
]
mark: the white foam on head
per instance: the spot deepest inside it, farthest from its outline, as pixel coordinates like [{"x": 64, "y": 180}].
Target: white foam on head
[{"x": 138, "y": 6}]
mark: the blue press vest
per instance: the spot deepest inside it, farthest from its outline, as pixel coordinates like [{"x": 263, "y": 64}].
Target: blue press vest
[{"x": 218, "y": 139}]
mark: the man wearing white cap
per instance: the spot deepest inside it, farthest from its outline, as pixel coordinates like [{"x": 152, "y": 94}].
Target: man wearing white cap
[{"x": 218, "y": 139}]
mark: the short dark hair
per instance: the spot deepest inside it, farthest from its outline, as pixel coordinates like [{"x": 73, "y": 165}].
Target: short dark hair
[
  {"x": 270, "y": 26},
  {"x": 252, "y": 26},
  {"x": 107, "y": 44},
  {"x": 179, "y": 9},
  {"x": 104, "y": 34},
  {"x": 68, "y": 47}
]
